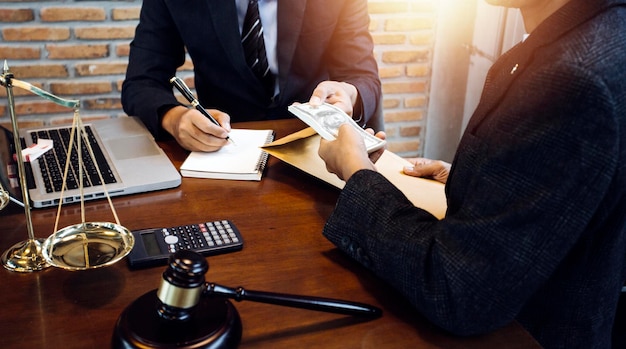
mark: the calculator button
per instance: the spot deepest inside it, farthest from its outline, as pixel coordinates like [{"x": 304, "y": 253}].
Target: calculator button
[{"x": 171, "y": 239}]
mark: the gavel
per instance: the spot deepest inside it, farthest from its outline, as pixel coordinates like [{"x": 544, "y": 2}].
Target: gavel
[{"x": 188, "y": 312}]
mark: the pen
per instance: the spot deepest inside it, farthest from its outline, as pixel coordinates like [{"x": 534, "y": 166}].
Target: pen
[{"x": 182, "y": 87}]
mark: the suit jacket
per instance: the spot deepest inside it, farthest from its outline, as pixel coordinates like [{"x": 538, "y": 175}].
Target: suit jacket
[
  {"x": 536, "y": 222},
  {"x": 317, "y": 40}
]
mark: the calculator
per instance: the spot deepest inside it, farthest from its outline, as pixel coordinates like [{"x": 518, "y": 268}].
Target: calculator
[{"x": 154, "y": 246}]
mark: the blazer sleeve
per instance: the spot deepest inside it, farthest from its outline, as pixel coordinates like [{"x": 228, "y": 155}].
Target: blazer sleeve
[
  {"x": 524, "y": 189},
  {"x": 350, "y": 56},
  {"x": 155, "y": 53}
]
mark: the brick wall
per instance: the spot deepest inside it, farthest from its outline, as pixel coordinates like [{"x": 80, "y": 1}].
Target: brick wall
[{"x": 79, "y": 50}]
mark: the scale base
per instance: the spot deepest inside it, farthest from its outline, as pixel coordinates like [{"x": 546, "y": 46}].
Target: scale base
[
  {"x": 214, "y": 323},
  {"x": 25, "y": 256}
]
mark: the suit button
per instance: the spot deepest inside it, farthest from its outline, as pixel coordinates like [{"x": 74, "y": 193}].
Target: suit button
[
  {"x": 362, "y": 257},
  {"x": 345, "y": 241},
  {"x": 352, "y": 247}
]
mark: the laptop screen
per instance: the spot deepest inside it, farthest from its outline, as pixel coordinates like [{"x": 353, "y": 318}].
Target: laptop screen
[{"x": 9, "y": 177}]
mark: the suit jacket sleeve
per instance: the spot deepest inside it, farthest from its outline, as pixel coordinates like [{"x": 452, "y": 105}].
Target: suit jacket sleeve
[
  {"x": 156, "y": 52},
  {"x": 525, "y": 188},
  {"x": 326, "y": 40},
  {"x": 350, "y": 56}
]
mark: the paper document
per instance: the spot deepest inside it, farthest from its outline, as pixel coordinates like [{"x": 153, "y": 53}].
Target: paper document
[{"x": 300, "y": 150}]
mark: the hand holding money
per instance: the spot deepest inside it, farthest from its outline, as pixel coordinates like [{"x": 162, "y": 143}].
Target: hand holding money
[
  {"x": 326, "y": 119},
  {"x": 347, "y": 154}
]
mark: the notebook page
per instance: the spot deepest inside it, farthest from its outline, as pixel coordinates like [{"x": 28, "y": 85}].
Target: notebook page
[{"x": 242, "y": 157}]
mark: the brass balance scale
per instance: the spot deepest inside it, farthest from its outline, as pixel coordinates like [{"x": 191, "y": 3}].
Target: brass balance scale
[{"x": 82, "y": 246}]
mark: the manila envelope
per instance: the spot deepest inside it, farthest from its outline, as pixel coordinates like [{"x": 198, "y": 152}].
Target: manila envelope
[{"x": 299, "y": 149}]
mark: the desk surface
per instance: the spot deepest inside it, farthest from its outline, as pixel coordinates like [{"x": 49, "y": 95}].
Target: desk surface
[{"x": 281, "y": 219}]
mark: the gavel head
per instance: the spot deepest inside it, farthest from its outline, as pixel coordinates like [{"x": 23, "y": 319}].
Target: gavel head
[
  {"x": 183, "y": 317},
  {"x": 181, "y": 285}
]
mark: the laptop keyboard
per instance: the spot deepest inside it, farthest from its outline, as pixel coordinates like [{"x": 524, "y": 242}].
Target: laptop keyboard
[{"x": 52, "y": 163}]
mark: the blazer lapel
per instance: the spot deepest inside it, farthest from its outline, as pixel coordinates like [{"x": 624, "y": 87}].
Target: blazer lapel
[
  {"x": 513, "y": 63},
  {"x": 500, "y": 77},
  {"x": 223, "y": 14},
  {"x": 290, "y": 18}
]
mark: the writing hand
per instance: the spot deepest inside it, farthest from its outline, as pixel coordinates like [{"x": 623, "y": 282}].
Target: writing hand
[
  {"x": 339, "y": 94},
  {"x": 194, "y": 132},
  {"x": 427, "y": 168}
]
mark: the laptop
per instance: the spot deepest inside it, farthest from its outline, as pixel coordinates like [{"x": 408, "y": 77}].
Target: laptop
[{"x": 128, "y": 157}]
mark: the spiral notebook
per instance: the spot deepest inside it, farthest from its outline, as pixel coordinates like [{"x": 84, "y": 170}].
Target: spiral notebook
[{"x": 242, "y": 160}]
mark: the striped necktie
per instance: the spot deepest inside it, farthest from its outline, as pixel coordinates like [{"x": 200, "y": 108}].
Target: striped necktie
[{"x": 254, "y": 46}]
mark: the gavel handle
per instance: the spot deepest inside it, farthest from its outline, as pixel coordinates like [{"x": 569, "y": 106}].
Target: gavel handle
[{"x": 304, "y": 302}]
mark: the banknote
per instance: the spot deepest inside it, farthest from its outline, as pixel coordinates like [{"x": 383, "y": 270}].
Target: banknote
[{"x": 326, "y": 119}]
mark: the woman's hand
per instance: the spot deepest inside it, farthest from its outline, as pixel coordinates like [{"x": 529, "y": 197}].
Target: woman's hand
[{"x": 427, "y": 168}]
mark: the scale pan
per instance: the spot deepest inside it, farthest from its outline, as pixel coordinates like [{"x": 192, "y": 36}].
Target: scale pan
[{"x": 88, "y": 245}]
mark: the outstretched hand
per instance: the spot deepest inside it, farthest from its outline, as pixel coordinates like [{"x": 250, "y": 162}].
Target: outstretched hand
[{"x": 340, "y": 94}]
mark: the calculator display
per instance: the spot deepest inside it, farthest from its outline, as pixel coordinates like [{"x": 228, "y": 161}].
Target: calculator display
[{"x": 151, "y": 245}]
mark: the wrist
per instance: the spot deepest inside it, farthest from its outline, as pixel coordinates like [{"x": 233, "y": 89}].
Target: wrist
[
  {"x": 171, "y": 118},
  {"x": 352, "y": 92},
  {"x": 356, "y": 166}
]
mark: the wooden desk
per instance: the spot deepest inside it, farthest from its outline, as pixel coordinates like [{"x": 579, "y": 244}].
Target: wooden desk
[{"x": 281, "y": 219}]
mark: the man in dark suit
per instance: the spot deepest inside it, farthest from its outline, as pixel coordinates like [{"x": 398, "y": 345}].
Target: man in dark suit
[
  {"x": 318, "y": 50},
  {"x": 535, "y": 229}
]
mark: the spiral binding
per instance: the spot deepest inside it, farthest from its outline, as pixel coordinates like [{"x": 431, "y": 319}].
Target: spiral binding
[{"x": 260, "y": 165}]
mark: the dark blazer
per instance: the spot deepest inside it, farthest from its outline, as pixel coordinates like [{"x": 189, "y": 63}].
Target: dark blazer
[
  {"x": 536, "y": 222},
  {"x": 317, "y": 40}
]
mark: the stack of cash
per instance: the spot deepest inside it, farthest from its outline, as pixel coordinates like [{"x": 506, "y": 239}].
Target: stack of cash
[{"x": 326, "y": 119}]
